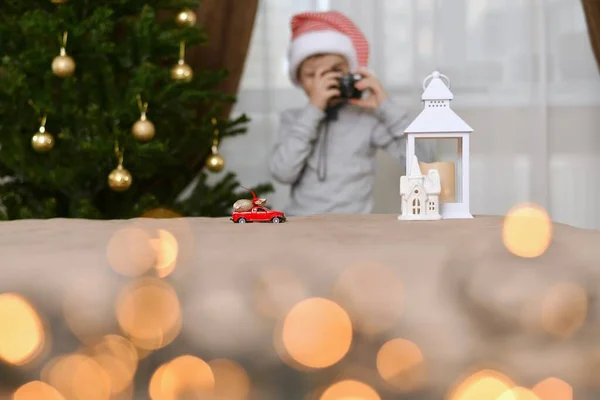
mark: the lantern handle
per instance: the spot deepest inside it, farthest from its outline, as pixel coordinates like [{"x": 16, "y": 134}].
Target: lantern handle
[{"x": 436, "y": 74}]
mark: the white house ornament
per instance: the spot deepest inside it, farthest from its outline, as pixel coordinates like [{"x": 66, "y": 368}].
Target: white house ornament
[
  {"x": 439, "y": 121},
  {"x": 420, "y": 194}
]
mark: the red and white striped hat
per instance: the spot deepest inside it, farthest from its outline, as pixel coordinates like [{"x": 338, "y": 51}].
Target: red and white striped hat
[{"x": 326, "y": 32}]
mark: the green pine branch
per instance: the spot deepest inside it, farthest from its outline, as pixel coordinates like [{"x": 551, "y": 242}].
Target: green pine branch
[{"x": 123, "y": 49}]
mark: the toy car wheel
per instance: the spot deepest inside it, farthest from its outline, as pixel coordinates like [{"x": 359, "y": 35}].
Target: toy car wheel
[
  {"x": 276, "y": 220},
  {"x": 242, "y": 221}
]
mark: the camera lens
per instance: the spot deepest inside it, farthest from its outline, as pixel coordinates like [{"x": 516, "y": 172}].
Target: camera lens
[{"x": 347, "y": 88}]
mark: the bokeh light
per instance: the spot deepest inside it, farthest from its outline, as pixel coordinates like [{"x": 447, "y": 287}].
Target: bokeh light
[
  {"x": 149, "y": 313},
  {"x": 166, "y": 249},
  {"x": 400, "y": 363},
  {"x": 373, "y": 295},
  {"x": 155, "y": 389},
  {"x": 564, "y": 309},
  {"x": 22, "y": 335},
  {"x": 350, "y": 390},
  {"x": 130, "y": 252},
  {"x": 37, "y": 390},
  {"x": 175, "y": 243},
  {"x": 183, "y": 377},
  {"x": 133, "y": 251},
  {"x": 88, "y": 305},
  {"x": 553, "y": 389},
  {"x": 142, "y": 354},
  {"x": 316, "y": 333},
  {"x": 78, "y": 377},
  {"x": 118, "y": 357},
  {"x": 277, "y": 291},
  {"x": 315, "y": 394},
  {"x": 160, "y": 213},
  {"x": 215, "y": 317},
  {"x": 127, "y": 394},
  {"x": 517, "y": 393},
  {"x": 231, "y": 380},
  {"x": 483, "y": 385},
  {"x": 527, "y": 231}
]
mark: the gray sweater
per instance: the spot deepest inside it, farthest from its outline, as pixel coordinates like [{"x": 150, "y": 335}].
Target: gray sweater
[{"x": 330, "y": 164}]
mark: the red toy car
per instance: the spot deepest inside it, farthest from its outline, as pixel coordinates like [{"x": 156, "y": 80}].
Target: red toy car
[
  {"x": 255, "y": 211},
  {"x": 258, "y": 214}
]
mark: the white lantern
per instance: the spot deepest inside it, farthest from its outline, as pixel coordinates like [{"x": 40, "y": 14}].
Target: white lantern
[{"x": 437, "y": 121}]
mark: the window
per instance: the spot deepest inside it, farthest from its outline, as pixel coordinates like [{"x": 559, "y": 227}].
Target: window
[
  {"x": 490, "y": 46},
  {"x": 266, "y": 66},
  {"x": 483, "y": 46},
  {"x": 431, "y": 206},
  {"x": 416, "y": 206}
]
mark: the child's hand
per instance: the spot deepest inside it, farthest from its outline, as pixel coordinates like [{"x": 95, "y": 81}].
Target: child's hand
[
  {"x": 377, "y": 95},
  {"x": 324, "y": 87}
]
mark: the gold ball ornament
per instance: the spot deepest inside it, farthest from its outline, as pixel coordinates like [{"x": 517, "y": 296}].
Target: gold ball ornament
[
  {"x": 143, "y": 130},
  {"x": 42, "y": 141},
  {"x": 63, "y": 65},
  {"x": 120, "y": 179},
  {"x": 215, "y": 163},
  {"x": 182, "y": 72},
  {"x": 186, "y": 19}
]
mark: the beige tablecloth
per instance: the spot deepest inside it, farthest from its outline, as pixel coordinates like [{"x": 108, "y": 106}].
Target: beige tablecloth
[{"x": 449, "y": 286}]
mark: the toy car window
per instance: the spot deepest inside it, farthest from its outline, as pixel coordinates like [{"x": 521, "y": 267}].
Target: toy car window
[{"x": 261, "y": 210}]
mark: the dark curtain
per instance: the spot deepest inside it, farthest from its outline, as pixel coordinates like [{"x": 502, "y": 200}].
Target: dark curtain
[
  {"x": 592, "y": 16},
  {"x": 229, "y": 25}
]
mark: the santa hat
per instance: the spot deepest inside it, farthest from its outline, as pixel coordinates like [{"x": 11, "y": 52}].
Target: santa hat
[{"x": 326, "y": 32}]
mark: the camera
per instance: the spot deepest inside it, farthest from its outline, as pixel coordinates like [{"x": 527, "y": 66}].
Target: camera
[{"x": 347, "y": 88}]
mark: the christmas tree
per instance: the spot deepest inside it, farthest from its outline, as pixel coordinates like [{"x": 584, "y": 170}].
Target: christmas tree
[{"x": 101, "y": 116}]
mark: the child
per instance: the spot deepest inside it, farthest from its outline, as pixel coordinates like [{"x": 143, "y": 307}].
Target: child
[{"x": 326, "y": 149}]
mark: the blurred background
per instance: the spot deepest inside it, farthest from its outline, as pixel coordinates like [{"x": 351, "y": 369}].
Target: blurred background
[
  {"x": 336, "y": 307},
  {"x": 523, "y": 75}
]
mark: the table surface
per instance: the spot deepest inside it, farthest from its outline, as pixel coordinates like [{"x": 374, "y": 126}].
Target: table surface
[{"x": 450, "y": 286}]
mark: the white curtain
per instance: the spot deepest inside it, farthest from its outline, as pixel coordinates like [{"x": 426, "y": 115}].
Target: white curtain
[{"x": 522, "y": 73}]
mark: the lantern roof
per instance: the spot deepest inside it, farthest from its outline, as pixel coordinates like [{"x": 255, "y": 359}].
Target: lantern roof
[
  {"x": 438, "y": 120},
  {"x": 437, "y": 116}
]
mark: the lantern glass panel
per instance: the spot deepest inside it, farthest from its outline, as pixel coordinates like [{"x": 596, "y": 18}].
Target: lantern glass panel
[{"x": 448, "y": 162}]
